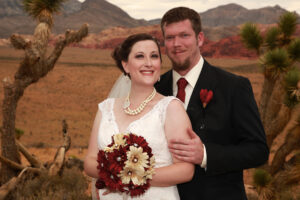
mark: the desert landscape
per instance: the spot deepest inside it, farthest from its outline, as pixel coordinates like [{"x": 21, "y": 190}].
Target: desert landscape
[
  {"x": 80, "y": 80},
  {"x": 85, "y": 72}
]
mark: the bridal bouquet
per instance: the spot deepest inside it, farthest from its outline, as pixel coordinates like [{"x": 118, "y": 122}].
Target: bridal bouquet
[{"x": 126, "y": 165}]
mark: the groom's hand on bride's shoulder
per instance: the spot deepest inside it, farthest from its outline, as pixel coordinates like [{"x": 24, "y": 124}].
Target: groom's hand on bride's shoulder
[{"x": 188, "y": 150}]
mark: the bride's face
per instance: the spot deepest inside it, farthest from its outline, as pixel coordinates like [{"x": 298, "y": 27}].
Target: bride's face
[{"x": 143, "y": 63}]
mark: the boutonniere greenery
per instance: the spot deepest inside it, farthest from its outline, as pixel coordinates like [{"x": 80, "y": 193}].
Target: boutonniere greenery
[{"x": 206, "y": 96}]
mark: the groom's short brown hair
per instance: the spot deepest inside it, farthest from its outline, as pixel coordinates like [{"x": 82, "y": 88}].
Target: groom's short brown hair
[{"x": 179, "y": 14}]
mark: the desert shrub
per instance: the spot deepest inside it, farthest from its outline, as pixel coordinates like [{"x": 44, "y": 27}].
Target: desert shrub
[
  {"x": 38, "y": 145},
  {"x": 261, "y": 178},
  {"x": 19, "y": 133},
  {"x": 71, "y": 185}
]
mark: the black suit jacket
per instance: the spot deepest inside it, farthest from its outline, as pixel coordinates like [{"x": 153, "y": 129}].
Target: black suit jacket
[{"x": 231, "y": 130}]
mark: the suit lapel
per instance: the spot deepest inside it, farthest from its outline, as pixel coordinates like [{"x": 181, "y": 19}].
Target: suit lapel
[{"x": 206, "y": 80}]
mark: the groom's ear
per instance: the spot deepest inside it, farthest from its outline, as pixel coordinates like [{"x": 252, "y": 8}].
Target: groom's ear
[
  {"x": 200, "y": 39},
  {"x": 124, "y": 64}
]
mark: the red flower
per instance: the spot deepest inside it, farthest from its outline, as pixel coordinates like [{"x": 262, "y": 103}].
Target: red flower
[
  {"x": 139, "y": 189},
  {"x": 100, "y": 184},
  {"x": 140, "y": 142},
  {"x": 114, "y": 183},
  {"x": 116, "y": 160},
  {"x": 102, "y": 161},
  {"x": 136, "y": 140},
  {"x": 206, "y": 96}
]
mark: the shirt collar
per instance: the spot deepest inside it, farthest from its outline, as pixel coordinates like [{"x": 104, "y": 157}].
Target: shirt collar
[{"x": 191, "y": 76}]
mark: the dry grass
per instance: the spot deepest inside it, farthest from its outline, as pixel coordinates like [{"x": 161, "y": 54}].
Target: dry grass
[{"x": 71, "y": 185}]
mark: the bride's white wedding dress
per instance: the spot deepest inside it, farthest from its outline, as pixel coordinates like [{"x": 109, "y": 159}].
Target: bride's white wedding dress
[{"x": 151, "y": 127}]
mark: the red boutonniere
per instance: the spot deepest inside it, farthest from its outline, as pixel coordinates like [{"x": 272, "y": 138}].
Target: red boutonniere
[{"x": 206, "y": 96}]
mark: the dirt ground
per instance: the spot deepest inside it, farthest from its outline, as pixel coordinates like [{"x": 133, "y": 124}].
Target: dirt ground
[{"x": 81, "y": 79}]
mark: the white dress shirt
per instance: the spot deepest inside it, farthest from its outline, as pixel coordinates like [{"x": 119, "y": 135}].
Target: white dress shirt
[{"x": 191, "y": 77}]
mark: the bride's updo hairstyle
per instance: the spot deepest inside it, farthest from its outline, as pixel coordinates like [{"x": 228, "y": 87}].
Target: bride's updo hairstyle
[{"x": 122, "y": 51}]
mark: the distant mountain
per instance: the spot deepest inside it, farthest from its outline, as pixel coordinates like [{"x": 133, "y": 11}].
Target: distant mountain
[
  {"x": 220, "y": 42},
  {"x": 154, "y": 21},
  {"x": 99, "y": 14},
  {"x": 10, "y": 8},
  {"x": 218, "y": 22},
  {"x": 234, "y": 14}
]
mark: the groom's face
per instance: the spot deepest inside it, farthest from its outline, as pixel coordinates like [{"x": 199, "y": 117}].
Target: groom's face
[{"x": 182, "y": 45}]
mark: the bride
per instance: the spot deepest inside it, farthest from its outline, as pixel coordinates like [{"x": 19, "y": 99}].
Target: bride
[{"x": 144, "y": 112}]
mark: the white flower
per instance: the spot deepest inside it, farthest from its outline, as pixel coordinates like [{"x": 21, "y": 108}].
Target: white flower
[
  {"x": 108, "y": 149},
  {"x": 152, "y": 161},
  {"x": 119, "y": 139},
  {"x": 137, "y": 158},
  {"x": 133, "y": 174},
  {"x": 151, "y": 170}
]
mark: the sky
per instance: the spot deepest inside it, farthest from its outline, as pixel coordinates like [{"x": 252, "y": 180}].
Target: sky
[{"x": 153, "y": 9}]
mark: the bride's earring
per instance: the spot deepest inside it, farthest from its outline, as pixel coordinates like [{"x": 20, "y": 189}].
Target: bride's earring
[{"x": 158, "y": 79}]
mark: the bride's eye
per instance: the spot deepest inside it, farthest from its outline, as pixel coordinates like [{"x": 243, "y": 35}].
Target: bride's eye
[
  {"x": 139, "y": 56},
  {"x": 155, "y": 55}
]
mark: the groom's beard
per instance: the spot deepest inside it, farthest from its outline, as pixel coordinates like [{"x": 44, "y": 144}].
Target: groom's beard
[{"x": 181, "y": 66}]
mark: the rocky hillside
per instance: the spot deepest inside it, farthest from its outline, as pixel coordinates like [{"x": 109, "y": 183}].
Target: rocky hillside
[
  {"x": 216, "y": 45},
  {"x": 109, "y": 25},
  {"x": 99, "y": 14},
  {"x": 233, "y": 15}
]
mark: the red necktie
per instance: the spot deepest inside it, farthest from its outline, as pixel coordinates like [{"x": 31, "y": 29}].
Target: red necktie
[{"x": 181, "y": 83}]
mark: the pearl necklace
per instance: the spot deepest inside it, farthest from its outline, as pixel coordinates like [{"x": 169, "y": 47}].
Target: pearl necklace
[{"x": 141, "y": 107}]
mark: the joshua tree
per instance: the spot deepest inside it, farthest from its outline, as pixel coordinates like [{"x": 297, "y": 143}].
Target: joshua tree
[
  {"x": 279, "y": 104},
  {"x": 35, "y": 65}
]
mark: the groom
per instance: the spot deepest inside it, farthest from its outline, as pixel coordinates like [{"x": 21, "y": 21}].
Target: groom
[{"x": 227, "y": 135}]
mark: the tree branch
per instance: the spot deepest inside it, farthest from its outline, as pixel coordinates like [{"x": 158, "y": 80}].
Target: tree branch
[
  {"x": 70, "y": 37},
  {"x": 278, "y": 124},
  {"x": 61, "y": 152},
  {"x": 267, "y": 90},
  {"x": 11, "y": 164},
  {"x": 295, "y": 159},
  {"x": 58, "y": 162},
  {"x": 7, "y": 187},
  {"x": 31, "y": 158},
  {"x": 289, "y": 176},
  {"x": 275, "y": 102},
  {"x": 19, "y": 42},
  {"x": 293, "y": 122},
  {"x": 12, "y": 183},
  {"x": 292, "y": 140}
]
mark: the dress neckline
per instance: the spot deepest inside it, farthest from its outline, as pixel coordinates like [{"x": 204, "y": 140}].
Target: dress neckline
[{"x": 134, "y": 121}]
